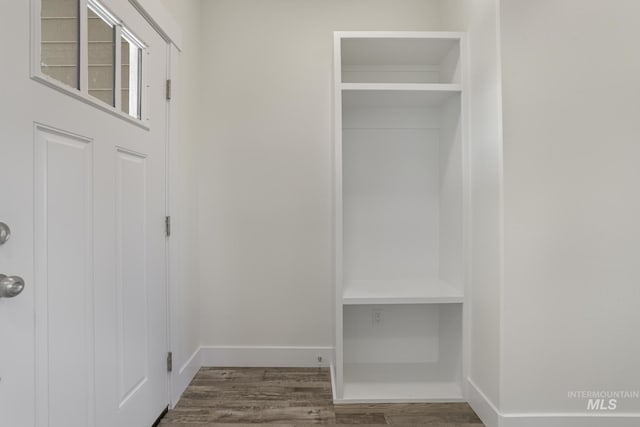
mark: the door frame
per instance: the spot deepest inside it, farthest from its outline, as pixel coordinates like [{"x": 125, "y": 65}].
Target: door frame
[{"x": 160, "y": 19}]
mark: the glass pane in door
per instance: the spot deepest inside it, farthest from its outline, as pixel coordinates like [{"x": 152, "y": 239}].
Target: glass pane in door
[
  {"x": 101, "y": 58},
  {"x": 59, "y": 40}
]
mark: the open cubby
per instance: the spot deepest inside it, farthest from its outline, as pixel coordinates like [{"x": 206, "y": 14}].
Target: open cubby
[
  {"x": 400, "y": 59},
  {"x": 402, "y": 196},
  {"x": 413, "y": 354}
]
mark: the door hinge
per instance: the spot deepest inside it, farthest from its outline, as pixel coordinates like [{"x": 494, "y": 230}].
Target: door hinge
[
  {"x": 168, "y": 89},
  {"x": 167, "y": 225},
  {"x": 169, "y": 362}
]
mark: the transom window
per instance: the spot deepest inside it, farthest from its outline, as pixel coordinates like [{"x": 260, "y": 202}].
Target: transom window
[{"x": 92, "y": 52}]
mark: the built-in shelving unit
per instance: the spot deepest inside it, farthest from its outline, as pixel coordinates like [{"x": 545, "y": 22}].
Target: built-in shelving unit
[{"x": 400, "y": 185}]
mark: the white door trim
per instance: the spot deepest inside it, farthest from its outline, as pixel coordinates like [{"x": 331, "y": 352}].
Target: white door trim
[{"x": 160, "y": 19}]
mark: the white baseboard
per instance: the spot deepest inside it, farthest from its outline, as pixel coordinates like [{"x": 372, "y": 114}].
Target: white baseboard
[
  {"x": 569, "y": 420},
  {"x": 492, "y": 417},
  {"x": 259, "y": 356},
  {"x": 482, "y": 405},
  {"x": 332, "y": 372},
  {"x": 267, "y": 356},
  {"x": 181, "y": 379}
]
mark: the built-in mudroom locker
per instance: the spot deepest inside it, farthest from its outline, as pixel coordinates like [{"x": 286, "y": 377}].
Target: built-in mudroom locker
[{"x": 400, "y": 188}]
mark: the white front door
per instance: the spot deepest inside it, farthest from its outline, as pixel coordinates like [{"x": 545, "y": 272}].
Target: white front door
[{"x": 83, "y": 191}]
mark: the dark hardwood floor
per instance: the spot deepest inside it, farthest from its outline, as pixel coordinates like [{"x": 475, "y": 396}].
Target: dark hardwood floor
[{"x": 292, "y": 397}]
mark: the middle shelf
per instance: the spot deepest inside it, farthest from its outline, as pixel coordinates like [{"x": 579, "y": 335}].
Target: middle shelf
[
  {"x": 398, "y": 94},
  {"x": 417, "y": 87},
  {"x": 425, "y": 291}
]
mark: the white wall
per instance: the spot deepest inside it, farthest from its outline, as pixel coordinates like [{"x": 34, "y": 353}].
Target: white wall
[
  {"x": 455, "y": 14},
  {"x": 185, "y": 320},
  {"x": 572, "y": 231},
  {"x": 485, "y": 154},
  {"x": 265, "y": 192}
]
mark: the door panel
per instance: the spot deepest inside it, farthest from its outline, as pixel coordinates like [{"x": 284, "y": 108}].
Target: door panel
[
  {"x": 131, "y": 196},
  {"x": 64, "y": 274}
]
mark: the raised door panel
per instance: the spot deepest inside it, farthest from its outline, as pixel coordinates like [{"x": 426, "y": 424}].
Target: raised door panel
[
  {"x": 131, "y": 277},
  {"x": 64, "y": 278}
]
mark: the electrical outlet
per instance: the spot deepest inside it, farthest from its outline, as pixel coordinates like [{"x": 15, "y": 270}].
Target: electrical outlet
[
  {"x": 319, "y": 359},
  {"x": 376, "y": 316}
]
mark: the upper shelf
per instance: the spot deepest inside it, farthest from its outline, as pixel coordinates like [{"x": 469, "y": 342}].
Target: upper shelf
[
  {"x": 406, "y": 58},
  {"x": 428, "y": 291}
]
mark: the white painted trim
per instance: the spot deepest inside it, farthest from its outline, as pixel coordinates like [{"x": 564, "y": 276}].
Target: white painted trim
[
  {"x": 332, "y": 373},
  {"x": 176, "y": 386},
  {"x": 338, "y": 287},
  {"x": 244, "y": 356},
  {"x": 186, "y": 373},
  {"x": 266, "y": 356},
  {"x": 89, "y": 100},
  {"x": 492, "y": 417},
  {"x": 466, "y": 208},
  {"x": 414, "y": 87},
  {"x": 570, "y": 420},
  {"x": 160, "y": 19},
  {"x": 501, "y": 238},
  {"x": 398, "y": 34},
  {"x": 482, "y": 405},
  {"x": 384, "y": 401}
]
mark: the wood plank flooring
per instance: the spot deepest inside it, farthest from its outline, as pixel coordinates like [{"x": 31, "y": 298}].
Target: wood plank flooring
[{"x": 290, "y": 397}]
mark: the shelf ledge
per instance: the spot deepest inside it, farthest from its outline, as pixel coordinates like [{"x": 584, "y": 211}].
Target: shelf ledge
[
  {"x": 371, "y": 392},
  {"x": 372, "y": 292},
  {"x": 416, "y": 87}
]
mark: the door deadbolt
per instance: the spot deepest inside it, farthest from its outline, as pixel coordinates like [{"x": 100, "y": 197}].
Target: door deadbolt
[{"x": 5, "y": 233}]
